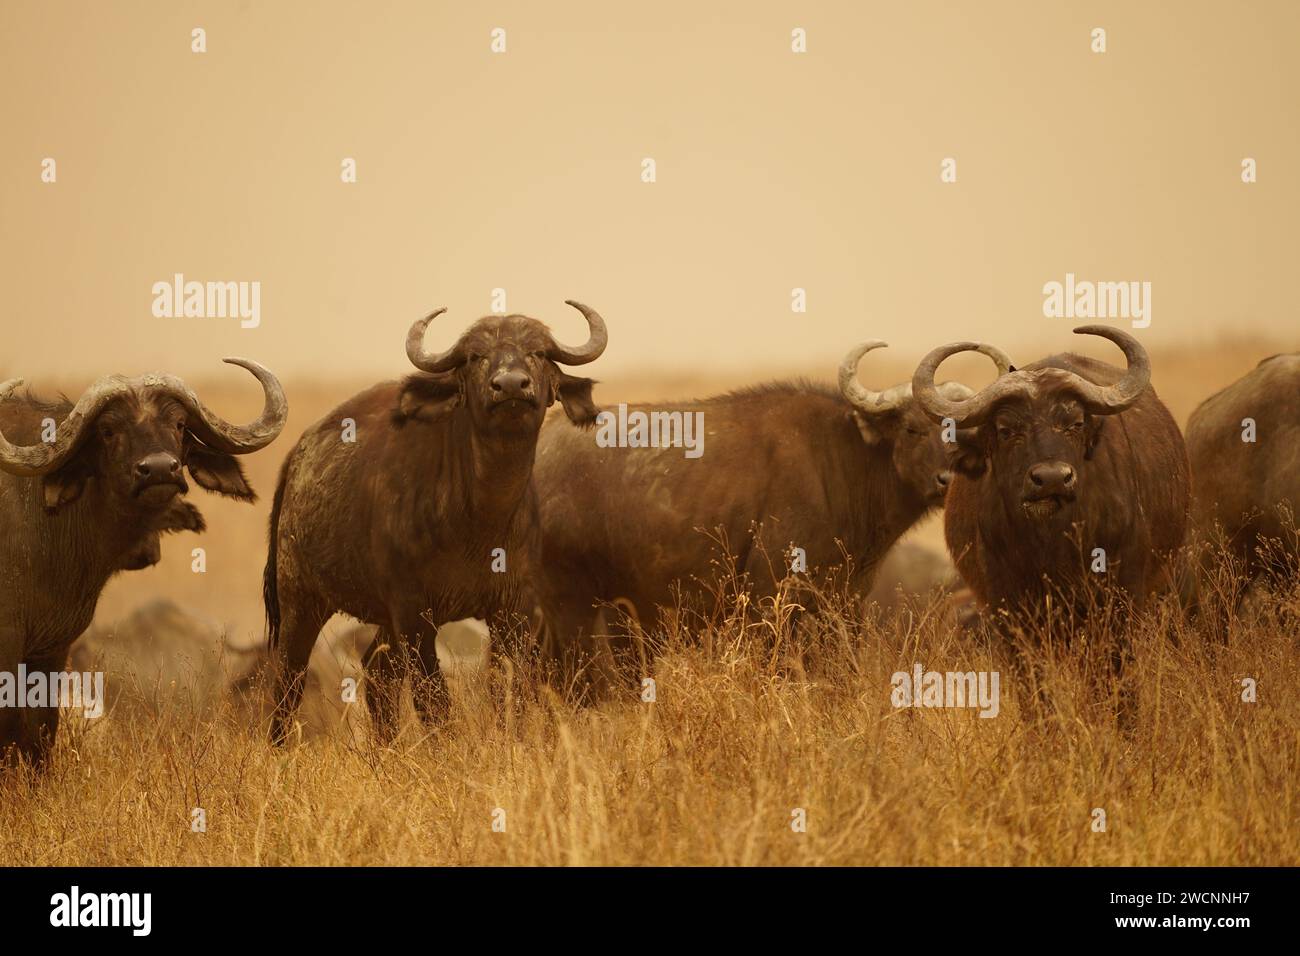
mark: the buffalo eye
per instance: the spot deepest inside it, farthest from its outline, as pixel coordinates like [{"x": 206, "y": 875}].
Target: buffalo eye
[
  {"x": 1005, "y": 433},
  {"x": 106, "y": 432},
  {"x": 1076, "y": 427}
]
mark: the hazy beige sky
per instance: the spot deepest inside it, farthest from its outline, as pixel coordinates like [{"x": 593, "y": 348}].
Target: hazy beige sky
[{"x": 522, "y": 170}]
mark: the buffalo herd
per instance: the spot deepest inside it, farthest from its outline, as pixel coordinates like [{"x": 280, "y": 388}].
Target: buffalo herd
[{"x": 452, "y": 494}]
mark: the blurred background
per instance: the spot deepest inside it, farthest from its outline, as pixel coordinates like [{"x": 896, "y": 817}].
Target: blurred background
[{"x": 522, "y": 171}]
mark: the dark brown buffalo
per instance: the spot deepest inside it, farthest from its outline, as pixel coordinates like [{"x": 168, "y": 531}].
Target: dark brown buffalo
[
  {"x": 1065, "y": 456},
  {"x": 401, "y": 528},
  {"x": 838, "y": 472},
  {"x": 93, "y": 500},
  {"x": 1251, "y": 489}
]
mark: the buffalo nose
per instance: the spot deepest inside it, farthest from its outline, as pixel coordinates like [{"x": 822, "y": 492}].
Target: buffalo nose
[
  {"x": 1051, "y": 476},
  {"x": 941, "y": 480},
  {"x": 512, "y": 382},
  {"x": 159, "y": 466}
]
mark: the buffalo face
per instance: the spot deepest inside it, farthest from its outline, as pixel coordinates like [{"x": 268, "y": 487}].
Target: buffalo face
[
  {"x": 893, "y": 418},
  {"x": 920, "y": 456},
  {"x": 1037, "y": 449},
  {"x": 508, "y": 379},
  {"x": 135, "y": 438},
  {"x": 505, "y": 371},
  {"x": 139, "y": 449},
  {"x": 1033, "y": 429}
]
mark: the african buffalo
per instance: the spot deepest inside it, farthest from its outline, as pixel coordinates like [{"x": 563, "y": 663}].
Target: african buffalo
[
  {"x": 163, "y": 655},
  {"x": 162, "y": 660},
  {"x": 1244, "y": 446},
  {"x": 840, "y": 473},
  {"x": 429, "y": 514},
  {"x": 86, "y": 493},
  {"x": 1062, "y": 457}
]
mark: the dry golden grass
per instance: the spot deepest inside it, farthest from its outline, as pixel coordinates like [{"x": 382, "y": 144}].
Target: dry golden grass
[{"x": 742, "y": 732}]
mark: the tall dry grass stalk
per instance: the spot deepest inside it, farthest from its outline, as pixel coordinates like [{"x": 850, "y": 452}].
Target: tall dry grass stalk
[{"x": 750, "y": 723}]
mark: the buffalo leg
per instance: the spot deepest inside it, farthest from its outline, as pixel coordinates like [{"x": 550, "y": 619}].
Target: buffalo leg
[
  {"x": 38, "y": 726},
  {"x": 571, "y": 648},
  {"x": 9, "y": 716},
  {"x": 621, "y": 655},
  {"x": 299, "y": 627},
  {"x": 585, "y": 659},
  {"x": 382, "y": 664},
  {"x": 416, "y": 638},
  {"x": 37, "y": 729},
  {"x": 429, "y": 684}
]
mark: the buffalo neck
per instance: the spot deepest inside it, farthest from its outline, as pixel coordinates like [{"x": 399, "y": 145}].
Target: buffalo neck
[
  {"x": 91, "y": 535},
  {"x": 502, "y": 468},
  {"x": 873, "y": 508},
  {"x": 486, "y": 475},
  {"x": 67, "y": 557},
  {"x": 888, "y": 507}
]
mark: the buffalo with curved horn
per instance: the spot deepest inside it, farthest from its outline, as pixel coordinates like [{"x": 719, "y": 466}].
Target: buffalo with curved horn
[
  {"x": 838, "y": 472},
  {"x": 1067, "y": 468},
  {"x": 85, "y": 491},
  {"x": 412, "y": 505}
]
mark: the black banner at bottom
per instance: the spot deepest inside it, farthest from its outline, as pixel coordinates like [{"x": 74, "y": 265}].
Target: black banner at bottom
[{"x": 878, "y": 904}]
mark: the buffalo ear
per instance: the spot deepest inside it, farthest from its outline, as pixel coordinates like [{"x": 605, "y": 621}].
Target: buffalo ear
[
  {"x": 876, "y": 429},
  {"x": 1094, "y": 427},
  {"x": 967, "y": 455},
  {"x": 65, "y": 486},
  {"x": 219, "y": 472},
  {"x": 427, "y": 397},
  {"x": 575, "y": 395}
]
